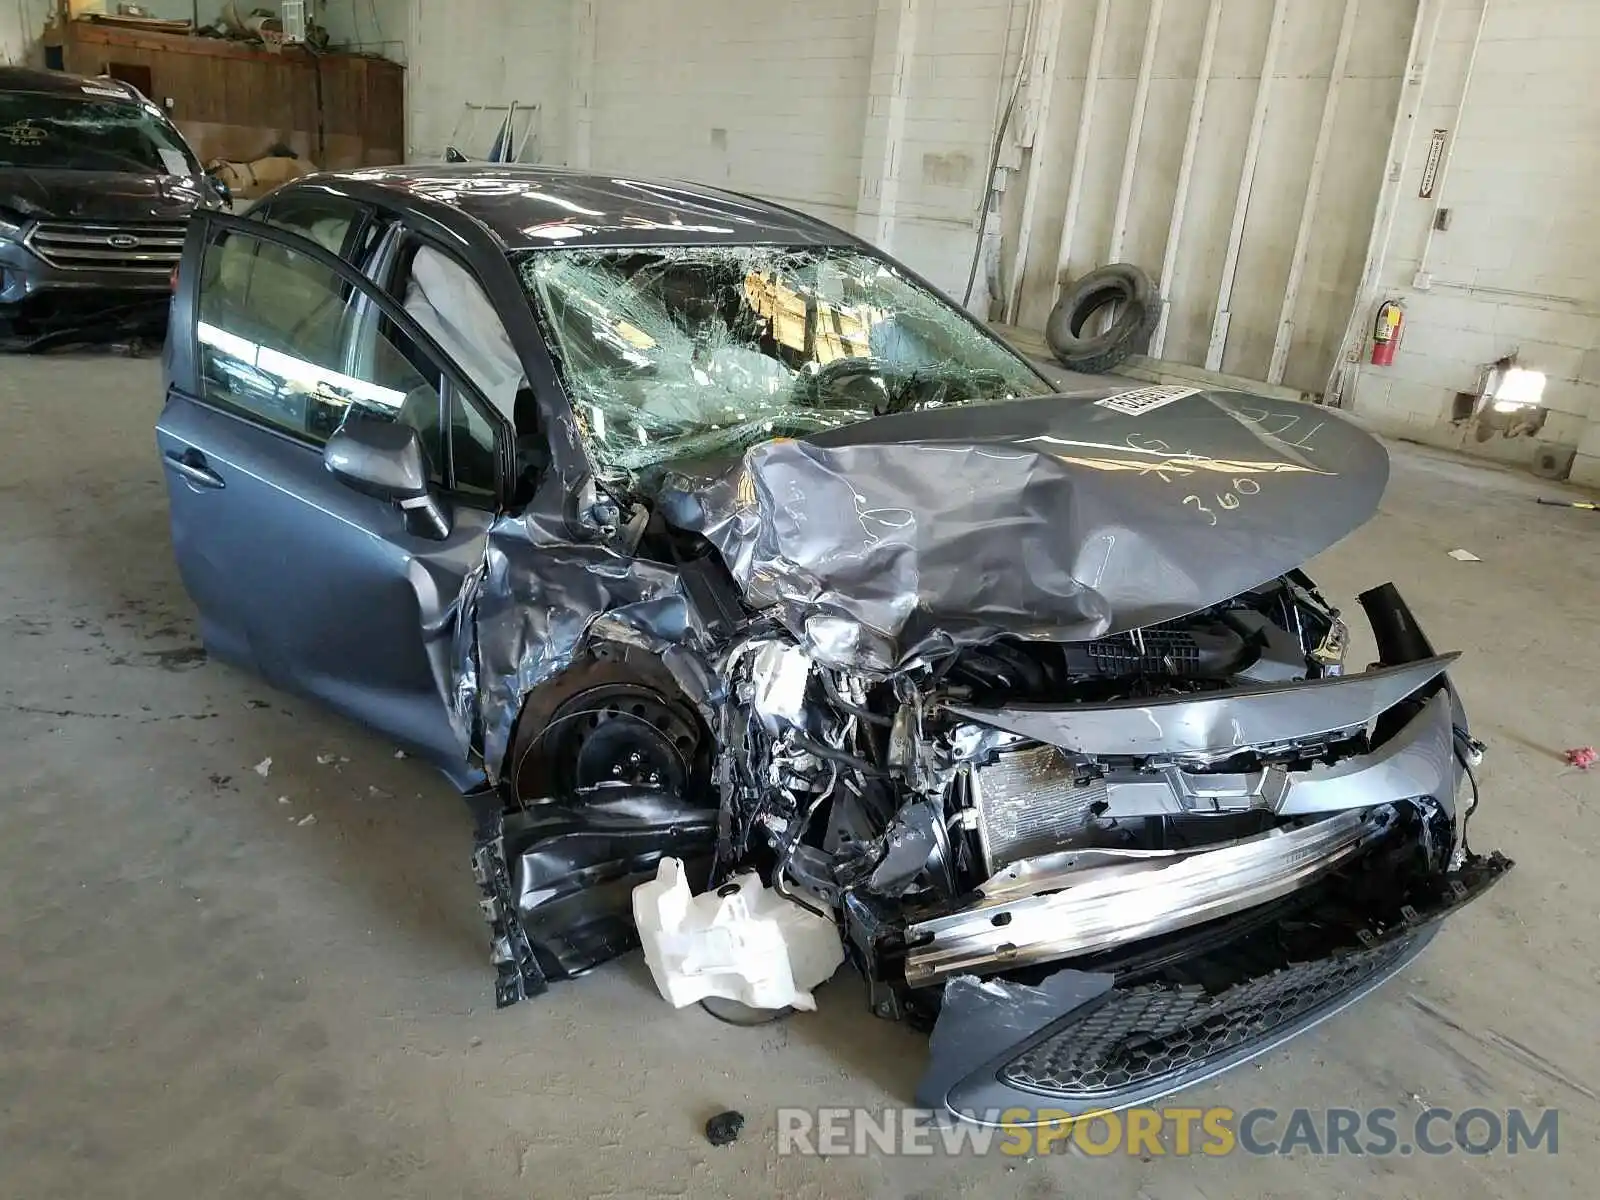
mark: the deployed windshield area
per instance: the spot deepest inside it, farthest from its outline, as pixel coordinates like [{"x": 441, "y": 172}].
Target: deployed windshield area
[
  {"x": 683, "y": 351},
  {"x": 66, "y": 133}
]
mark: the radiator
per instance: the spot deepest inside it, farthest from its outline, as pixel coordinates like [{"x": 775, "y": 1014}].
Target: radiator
[{"x": 1028, "y": 804}]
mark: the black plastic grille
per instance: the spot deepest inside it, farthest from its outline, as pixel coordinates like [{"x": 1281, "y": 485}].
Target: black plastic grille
[
  {"x": 1144, "y": 1033},
  {"x": 1156, "y": 651}
]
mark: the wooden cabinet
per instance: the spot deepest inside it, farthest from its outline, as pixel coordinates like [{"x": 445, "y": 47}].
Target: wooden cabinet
[{"x": 234, "y": 100}]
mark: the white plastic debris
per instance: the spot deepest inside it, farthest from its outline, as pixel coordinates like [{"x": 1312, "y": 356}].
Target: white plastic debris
[
  {"x": 264, "y": 767},
  {"x": 307, "y": 820},
  {"x": 742, "y": 942},
  {"x": 1464, "y": 556},
  {"x": 283, "y": 799}
]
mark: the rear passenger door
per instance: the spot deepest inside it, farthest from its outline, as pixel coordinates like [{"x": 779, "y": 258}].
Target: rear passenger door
[{"x": 320, "y": 588}]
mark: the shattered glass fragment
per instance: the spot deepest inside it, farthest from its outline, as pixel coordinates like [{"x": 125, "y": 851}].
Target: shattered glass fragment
[{"x": 678, "y": 352}]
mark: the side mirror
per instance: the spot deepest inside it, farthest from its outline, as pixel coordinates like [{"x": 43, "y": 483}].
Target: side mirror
[{"x": 385, "y": 459}]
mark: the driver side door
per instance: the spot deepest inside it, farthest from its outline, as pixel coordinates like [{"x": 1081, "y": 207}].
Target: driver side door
[{"x": 322, "y": 589}]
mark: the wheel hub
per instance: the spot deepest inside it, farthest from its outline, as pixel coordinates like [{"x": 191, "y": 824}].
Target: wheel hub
[{"x": 621, "y": 734}]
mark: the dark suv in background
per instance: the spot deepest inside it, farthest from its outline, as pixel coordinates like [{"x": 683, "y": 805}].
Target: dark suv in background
[{"x": 96, "y": 187}]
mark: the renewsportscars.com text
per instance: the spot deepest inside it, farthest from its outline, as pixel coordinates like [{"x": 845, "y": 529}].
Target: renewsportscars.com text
[{"x": 1177, "y": 1131}]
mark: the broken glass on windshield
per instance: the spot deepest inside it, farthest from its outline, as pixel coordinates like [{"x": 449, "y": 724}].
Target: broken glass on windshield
[
  {"x": 686, "y": 351},
  {"x": 67, "y": 133}
]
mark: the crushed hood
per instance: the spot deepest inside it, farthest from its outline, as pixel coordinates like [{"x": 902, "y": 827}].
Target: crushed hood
[
  {"x": 98, "y": 195},
  {"x": 1057, "y": 518}
]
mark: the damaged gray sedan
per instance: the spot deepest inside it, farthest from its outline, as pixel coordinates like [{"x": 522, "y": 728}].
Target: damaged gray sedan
[{"x": 673, "y": 524}]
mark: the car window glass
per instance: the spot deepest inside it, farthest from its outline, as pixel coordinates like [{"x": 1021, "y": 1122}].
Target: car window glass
[
  {"x": 472, "y": 448},
  {"x": 679, "y": 352},
  {"x": 272, "y": 329},
  {"x": 90, "y": 133},
  {"x": 326, "y": 222},
  {"x": 471, "y": 435}
]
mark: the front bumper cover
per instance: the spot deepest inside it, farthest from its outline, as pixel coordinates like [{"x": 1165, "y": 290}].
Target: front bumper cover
[
  {"x": 1105, "y": 1035},
  {"x": 1094, "y": 1027},
  {"x": 47, "y": 305}
]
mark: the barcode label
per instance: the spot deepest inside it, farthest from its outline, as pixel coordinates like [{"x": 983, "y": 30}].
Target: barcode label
[{"x": 1142, "y": 400}]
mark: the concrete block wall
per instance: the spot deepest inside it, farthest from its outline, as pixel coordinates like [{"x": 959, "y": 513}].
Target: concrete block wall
[
  {"x": 770, "y": 99},
  {"x": 1518, "y": 269},
  {"x": 939, "y": 69},
  {"x": 873, "y": 114},
  {"x": 499, "y": 51}
]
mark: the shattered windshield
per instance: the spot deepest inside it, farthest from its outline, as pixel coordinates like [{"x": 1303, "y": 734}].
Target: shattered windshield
[
  {"x": 683, "y": 351},
  {"x": 65, "y": 133}
]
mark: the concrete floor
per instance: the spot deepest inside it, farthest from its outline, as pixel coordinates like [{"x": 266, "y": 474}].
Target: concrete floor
[{"x": 205, "y": 993}]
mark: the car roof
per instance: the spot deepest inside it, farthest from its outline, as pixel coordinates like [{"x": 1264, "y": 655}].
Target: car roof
[
  {"x": 58, "y": 83},
  {"x": 543, "y": 207}
]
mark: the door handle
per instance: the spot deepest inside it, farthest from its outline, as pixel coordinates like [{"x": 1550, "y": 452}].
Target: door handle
[{"x": 191, "y": 464}]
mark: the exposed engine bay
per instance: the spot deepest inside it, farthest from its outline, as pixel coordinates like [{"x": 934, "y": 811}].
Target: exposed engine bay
[
  {"x": 845, "y": 781},
  {"x": 848, "y": 790},
  {"x": 949, "y": 848}
]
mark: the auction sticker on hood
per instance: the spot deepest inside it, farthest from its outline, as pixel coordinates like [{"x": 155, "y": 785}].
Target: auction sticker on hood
[{"x": 1142, "y": 400}]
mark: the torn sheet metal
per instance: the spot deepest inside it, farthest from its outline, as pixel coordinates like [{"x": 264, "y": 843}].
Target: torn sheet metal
[
  {"x": 1048, "y": 518},
  {"x": 535, "y": 604},
  {"x": 1216, "y": 722}
]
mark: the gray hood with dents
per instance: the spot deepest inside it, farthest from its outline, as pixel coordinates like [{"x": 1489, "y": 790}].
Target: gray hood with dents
[{"x": 1060, "y": 518}]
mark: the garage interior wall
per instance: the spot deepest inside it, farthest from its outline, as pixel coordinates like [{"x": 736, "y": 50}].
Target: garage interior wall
[
  {"x": 1517, "y": 271},
  {"x": 1257, "y": 222},
  {"x": 21, "y": 23},
  {"x": 881, "y": 116}
]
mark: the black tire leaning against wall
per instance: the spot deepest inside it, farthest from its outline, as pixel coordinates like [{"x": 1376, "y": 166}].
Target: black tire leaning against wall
[{"x": 1138, "y": 309}]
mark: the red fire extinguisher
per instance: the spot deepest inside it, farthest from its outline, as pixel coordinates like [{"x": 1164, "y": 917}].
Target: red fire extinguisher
[{"x": 1386, "y": 332}]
